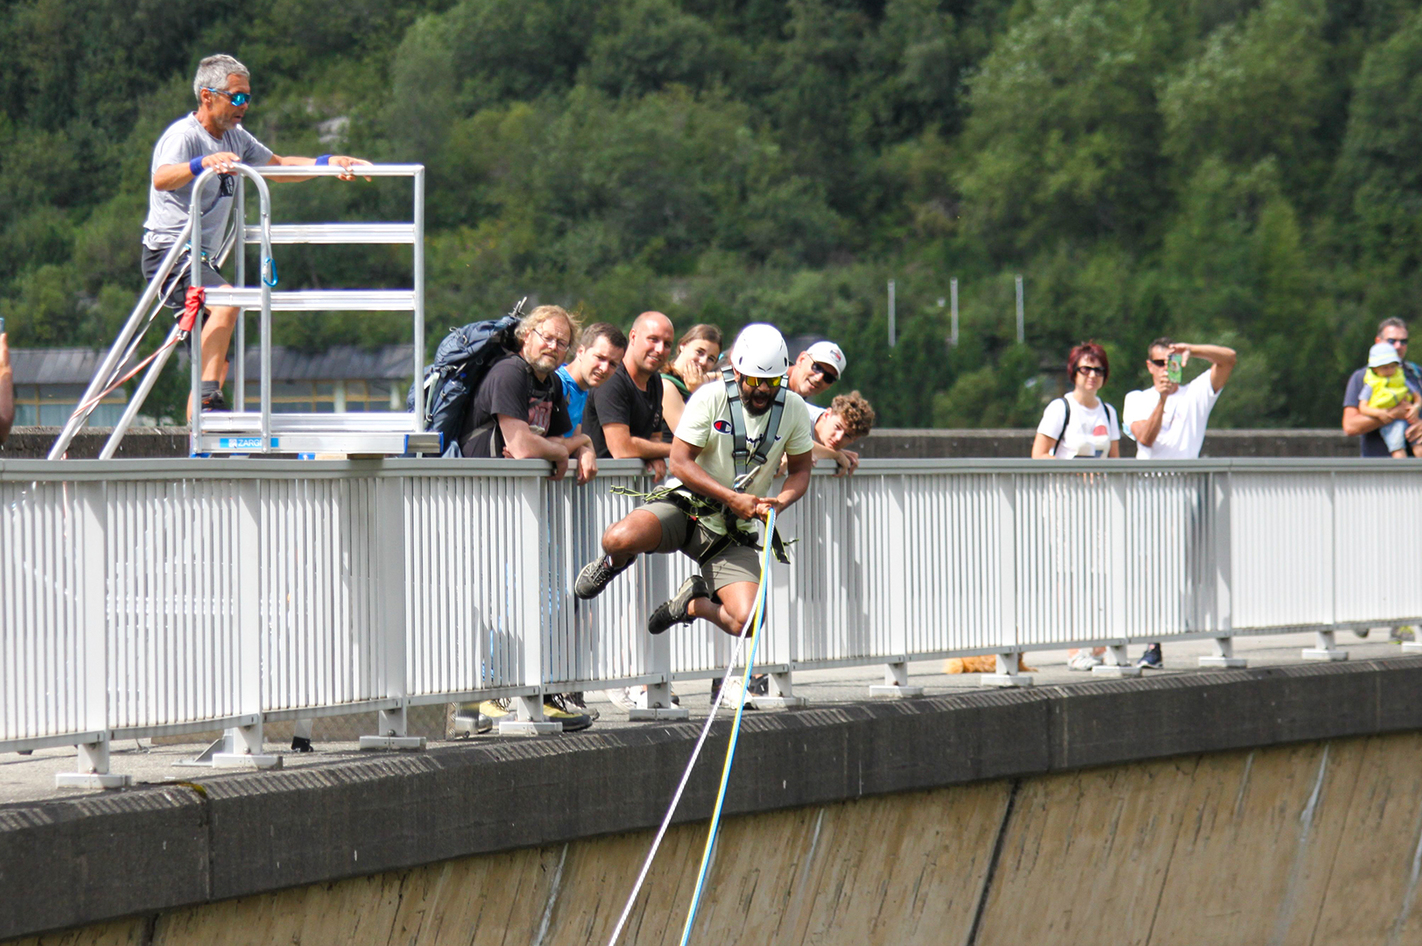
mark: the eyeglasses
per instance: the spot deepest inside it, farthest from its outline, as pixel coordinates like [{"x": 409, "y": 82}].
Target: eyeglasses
[
  {"x": 1091, "y": 369},
  {"x": 557, "y": 343},
  {"x": 238, "y": 99},
  {"x": 1158, "y": 362},
  {"x": 827, "y": 373},
  {"x": 1396, "y": 342},
  {"x": 771, "y": 383}
]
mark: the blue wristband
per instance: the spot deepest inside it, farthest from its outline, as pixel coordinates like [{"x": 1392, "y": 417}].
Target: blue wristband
[
  {"x": 324, "y": 159},
  {"x": 195, "y": 165}
]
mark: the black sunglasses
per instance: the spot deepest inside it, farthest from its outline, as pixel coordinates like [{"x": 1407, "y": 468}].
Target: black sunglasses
[
  {"x": 1091, "y": 369},
  {"x": 1158, "y": 362}
]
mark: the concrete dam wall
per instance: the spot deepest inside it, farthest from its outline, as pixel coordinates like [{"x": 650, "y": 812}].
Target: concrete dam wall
[
  {"x": 1153, "y": 812},
  {"x": 1314, "y": 843}
]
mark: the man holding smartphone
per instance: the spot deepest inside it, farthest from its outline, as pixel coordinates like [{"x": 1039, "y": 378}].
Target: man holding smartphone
[{"x": 1167, "y": 420}]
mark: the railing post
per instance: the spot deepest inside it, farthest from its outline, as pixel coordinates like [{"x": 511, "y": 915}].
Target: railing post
[
  {"x": 527, "y": 621},
  {"x": 1222, "y": 560},
  {"x": 387, "y": 539},
  {"x": 779, "y": 644},
  {"x": 1007, "y": 674},
  {"x": 244, "y": 744},
  {"x": 92, "y": 769},
  {"x": 1326, "y": 648},
  {"x": 896, "y": 670}
]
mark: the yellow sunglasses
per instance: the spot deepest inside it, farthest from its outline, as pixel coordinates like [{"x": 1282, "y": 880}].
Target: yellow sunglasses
[{"x": 771, "y": 383}]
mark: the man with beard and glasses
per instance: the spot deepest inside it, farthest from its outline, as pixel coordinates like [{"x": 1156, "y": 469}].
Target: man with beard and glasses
[
  {"x": 708, "y": 508},
  {"x": 211, "y": 137},
  {"x": 518, "y": 410},
  {"x": 519, "y": 413}
]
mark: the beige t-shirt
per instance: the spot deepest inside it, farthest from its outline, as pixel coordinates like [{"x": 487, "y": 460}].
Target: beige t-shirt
[{"x": 706, "y": 423}]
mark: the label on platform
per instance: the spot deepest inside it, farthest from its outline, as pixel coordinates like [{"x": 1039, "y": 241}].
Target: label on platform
[{"x": 243, "y": 443}]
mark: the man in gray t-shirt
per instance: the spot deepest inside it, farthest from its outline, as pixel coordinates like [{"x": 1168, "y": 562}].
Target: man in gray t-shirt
[{"x": 211, "y": 137}]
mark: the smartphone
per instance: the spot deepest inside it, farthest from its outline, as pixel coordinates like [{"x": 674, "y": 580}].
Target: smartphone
[
  {"x": 1173, "y": 368},
  {"x": 2, "y": 325}
]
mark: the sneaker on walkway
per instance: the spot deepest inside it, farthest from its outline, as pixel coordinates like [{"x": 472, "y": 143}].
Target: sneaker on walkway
[
  {"x": 734, "y": 692},
  {"x": 497, "y": 710},
  {"x": 558, "y": 710},
  {"x": 1083, "y": 660},
  {"x": 576, "y": 700},
  {"x": 675, "y": 611},
  {"x": 596, "y": 574},
  {"x": 1151, "y": 659},
  {"x": 301, "y": 744},
  {"x": 759, "y": 684},
  {"x": 627, "y": 698}
]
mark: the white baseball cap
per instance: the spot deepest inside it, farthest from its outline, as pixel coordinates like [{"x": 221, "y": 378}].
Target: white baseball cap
[
  {"x": 828, "y": 353},
  {"x": 1382, "y": 353}
]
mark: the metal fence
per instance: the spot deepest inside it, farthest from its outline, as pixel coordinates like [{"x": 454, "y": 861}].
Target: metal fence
[{"x": 141, "y": 598}]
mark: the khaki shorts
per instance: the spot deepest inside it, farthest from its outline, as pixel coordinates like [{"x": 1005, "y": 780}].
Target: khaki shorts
[{"x": 734, "y": 563}]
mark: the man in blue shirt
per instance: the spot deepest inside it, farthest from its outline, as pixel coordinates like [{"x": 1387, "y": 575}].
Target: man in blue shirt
[{"x": 599, "y": 352}]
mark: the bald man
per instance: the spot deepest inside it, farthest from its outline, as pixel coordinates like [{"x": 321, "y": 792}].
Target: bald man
[{"x": 623, "y": 414}]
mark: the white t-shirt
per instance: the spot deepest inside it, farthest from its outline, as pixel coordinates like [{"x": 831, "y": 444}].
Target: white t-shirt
[
  {"x": 1090, "y": 432},
  {"x": 706, "y": 423},
  {"x": 1182, "y": 428}
]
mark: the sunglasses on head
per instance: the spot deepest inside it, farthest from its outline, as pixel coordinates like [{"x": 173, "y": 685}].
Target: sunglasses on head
[
  {"x": 771, "y": 383},
  {"x": 238, "y": 99}
]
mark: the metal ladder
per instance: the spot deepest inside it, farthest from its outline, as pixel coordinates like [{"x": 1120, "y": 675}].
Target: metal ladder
[{"x": 263, "y": 432}]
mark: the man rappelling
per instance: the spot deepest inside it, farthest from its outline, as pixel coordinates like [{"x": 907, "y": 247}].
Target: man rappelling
[{"x": 723, "y": 461}]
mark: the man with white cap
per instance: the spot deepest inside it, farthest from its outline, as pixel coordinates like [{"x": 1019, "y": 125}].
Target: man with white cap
[
  {"x": 723, "y": 462},
  {"x": 818, "y": 367}
]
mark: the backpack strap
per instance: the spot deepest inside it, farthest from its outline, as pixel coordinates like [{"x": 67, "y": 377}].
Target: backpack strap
[{"x": 1066, "y": 420}]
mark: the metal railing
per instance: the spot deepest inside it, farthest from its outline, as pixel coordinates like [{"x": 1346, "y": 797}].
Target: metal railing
[{"x": 140, "y": 598}]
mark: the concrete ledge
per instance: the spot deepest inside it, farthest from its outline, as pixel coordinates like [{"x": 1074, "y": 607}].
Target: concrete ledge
[{"x": 71, "y": 862}]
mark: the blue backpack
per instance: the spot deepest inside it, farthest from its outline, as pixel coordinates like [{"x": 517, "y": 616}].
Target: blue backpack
[{"x": 460, "y": 363}]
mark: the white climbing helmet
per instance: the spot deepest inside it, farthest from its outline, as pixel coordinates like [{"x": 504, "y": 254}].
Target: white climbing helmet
[{"x": 760, "y": 351}]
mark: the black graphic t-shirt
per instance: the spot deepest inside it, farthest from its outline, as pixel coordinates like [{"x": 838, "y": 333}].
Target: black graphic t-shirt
[
  {"x": 617, "y": 401},
  {"x": 512, "y": 389}
]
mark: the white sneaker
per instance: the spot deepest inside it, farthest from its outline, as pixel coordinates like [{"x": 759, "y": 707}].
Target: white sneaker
[
  {"x": 628, "y": 698},
  {"x": 1083, "y": 660},
  {"x": 734, "y": 691}
]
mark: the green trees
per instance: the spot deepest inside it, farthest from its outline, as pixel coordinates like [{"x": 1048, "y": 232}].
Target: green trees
[{"x": 1241, "y": 170}]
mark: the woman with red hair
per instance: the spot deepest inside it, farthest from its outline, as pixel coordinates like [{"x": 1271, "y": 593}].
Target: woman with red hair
[{"x": 1080, "y": 424}]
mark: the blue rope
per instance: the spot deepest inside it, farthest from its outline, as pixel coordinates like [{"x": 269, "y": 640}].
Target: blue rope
[{"x": 756, "y": 621}]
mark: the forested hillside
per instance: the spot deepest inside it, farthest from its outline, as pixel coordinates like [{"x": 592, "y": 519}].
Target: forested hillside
[{"x": 1241, "y": 172}]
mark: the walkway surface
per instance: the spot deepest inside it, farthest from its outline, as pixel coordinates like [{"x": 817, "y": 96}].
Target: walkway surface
[{"x": 28, "y": 779}]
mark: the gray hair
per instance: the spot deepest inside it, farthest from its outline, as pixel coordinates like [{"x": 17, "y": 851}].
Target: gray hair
[{"x": 213, "y": 71}]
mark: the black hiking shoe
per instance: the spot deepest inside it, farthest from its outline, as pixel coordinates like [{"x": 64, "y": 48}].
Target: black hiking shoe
[
  {"x": 595, "y": 576},
  {"x": 214, "y": 401},
  {"x": 674, "y": 611}
]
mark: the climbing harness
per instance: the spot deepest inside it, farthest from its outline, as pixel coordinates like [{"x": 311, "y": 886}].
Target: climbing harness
[
  {"x": 751, "y": 629},
  {"x": 740, "y": 448}
]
